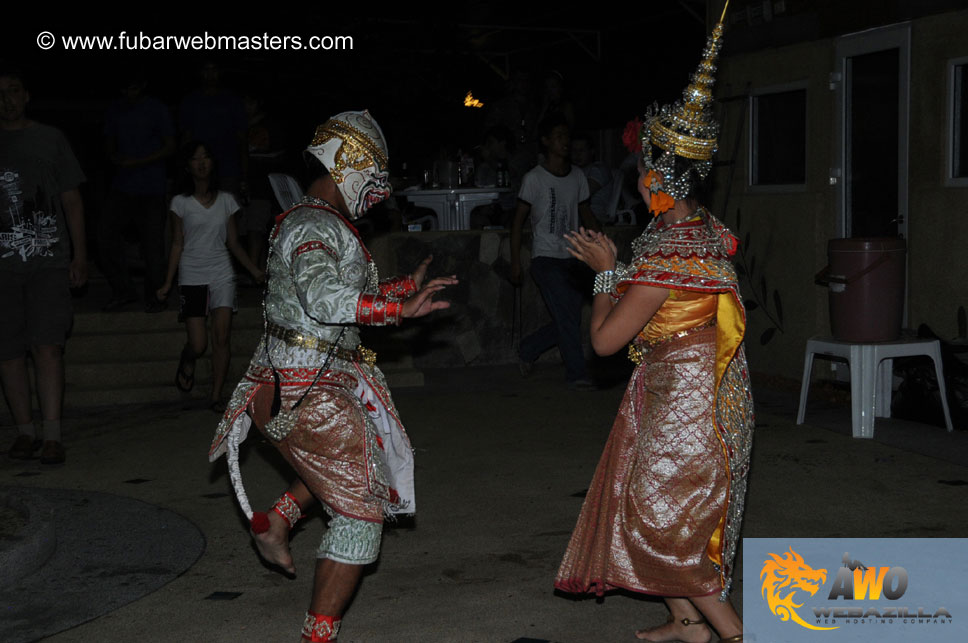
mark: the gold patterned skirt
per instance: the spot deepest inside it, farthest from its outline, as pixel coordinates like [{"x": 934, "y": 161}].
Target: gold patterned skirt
[
  {"x": 331, "y": 448},
  {"x": 660, "y": 489}
]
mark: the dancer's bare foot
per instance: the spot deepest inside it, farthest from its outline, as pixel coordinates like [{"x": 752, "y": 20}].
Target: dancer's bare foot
[
  {"x": 273, "y": 545},
  {"x": 690, "y": 631}
]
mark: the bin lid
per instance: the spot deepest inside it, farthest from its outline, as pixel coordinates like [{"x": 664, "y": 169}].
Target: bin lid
[{"x": 866, "y": 244}]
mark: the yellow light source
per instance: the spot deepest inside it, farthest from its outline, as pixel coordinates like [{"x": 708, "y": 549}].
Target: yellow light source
[{"x": 470, "y": 101}]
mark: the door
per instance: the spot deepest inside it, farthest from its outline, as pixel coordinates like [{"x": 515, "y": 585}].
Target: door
[{"x": 872, "y": 88}]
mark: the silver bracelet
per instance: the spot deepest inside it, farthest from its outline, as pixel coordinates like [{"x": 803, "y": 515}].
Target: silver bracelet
[{"x": 605, "y": 282}]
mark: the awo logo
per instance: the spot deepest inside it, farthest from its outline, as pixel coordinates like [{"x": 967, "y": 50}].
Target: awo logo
[
  {"x": 880, "y": 585},
  {"x": 783, "y": 577}
]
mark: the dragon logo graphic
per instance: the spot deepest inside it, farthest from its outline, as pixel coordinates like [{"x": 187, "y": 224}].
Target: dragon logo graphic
[{"x": 782, "y": 577}]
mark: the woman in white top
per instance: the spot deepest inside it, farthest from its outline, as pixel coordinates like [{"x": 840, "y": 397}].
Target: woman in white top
[{"x": 203, "y": 235}]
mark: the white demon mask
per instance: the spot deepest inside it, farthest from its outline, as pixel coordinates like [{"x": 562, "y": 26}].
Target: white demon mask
[{"x": 351, "y": 146}]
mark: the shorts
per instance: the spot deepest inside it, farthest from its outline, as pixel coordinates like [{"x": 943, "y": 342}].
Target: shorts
[
  {"x": 37, "y": 310},
  {"x": 197, "y": 301}
]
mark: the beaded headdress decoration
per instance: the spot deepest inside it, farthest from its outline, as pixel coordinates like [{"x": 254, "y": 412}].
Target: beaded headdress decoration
[
  {"x": 686, "y": 128},
  {"x": 351, "y": 147}
]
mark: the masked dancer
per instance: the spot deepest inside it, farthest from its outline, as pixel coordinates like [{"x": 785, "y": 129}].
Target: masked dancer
[{"x": 312, "y": 389}]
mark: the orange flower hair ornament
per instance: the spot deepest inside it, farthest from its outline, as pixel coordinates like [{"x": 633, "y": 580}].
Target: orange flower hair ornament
[{"x": 659, "y": 201}]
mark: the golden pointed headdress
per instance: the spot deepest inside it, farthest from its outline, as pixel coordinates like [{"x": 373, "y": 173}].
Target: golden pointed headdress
[{"x": 687, "y": 127}]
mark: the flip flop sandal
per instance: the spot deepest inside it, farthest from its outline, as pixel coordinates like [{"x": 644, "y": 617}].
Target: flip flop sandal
[{"x": 185, "y": 381}]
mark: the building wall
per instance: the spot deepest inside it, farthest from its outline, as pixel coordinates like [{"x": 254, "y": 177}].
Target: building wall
[
  {"x": 788, "y": 230},
  {"x": 783, "y": 233},
  {"x": 938, "y": 243}
]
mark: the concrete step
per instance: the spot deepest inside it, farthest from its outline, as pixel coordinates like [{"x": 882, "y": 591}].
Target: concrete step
[
  {"x": 148, "y": 345},
  {"x": 96, "y": 375},
  {"x": 130, "y": 357},
  {"x": 97, "y": 323},
  {"x": 75, "y": 398}
]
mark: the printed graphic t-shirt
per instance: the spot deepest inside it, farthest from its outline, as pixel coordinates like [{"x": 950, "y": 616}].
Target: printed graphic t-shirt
[
  {"x": 554, "y": 208},
  {"x": 36, "y": 167}
]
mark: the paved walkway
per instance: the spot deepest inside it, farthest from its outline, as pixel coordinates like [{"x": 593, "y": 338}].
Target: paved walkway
[{"x": 501, "y": 465}]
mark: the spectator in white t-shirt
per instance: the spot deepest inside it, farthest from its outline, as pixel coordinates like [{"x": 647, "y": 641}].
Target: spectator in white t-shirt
[
  {"x": 555, "y": 197},
  {"x": 203, "y": 235}
]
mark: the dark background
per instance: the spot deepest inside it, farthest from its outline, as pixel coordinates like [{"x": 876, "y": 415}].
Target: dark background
[{"x": 411, "y": 68}]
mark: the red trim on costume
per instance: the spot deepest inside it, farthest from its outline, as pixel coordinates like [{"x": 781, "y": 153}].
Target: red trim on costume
[
  {"x": 282, "y": 217},
  {"x": 398, "y": 287},
  {"x": 319, "y": 628},
  {"x": 378, "y": 310},
  {"x": 288, "y": 509},
  {"x": 299, "y": 377},
  {"x": 309, "y": 246}
]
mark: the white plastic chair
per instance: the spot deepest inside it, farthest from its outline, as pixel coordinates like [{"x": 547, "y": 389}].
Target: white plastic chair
[
  {"x": 287, "y": 190},
  {"x": 870, "y": 376}
]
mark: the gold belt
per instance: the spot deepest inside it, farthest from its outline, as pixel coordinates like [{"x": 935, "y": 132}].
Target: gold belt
[
  {"x": 637, "y": 350},
  {"x": 293, "y": 337}
]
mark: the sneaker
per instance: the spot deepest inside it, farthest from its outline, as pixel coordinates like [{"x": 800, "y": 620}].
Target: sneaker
[
  {"x": 584, "y": 384},
  {"x": 53, "y": 453},
  {"x": 24, "y": 447}
]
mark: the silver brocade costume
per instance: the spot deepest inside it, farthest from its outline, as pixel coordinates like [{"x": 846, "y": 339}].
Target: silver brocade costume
[{"x": 348, "y": 444}]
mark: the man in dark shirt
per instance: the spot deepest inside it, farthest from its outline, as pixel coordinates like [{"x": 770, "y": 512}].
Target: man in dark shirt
[{"x": 41, "y": 221}]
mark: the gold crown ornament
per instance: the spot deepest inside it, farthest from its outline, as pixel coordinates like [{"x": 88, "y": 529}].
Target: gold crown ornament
[{"x": 686, "y": 128}]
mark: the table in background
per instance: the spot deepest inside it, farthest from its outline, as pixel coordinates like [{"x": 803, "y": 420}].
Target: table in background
[{"x": 453, "y": 205}]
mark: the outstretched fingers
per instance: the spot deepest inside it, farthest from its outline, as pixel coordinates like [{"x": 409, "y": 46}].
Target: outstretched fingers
[
  {"x": 421, "y": 272},
  {"x": 422, "y": 303},
  {"x": 442, "y": 281}
]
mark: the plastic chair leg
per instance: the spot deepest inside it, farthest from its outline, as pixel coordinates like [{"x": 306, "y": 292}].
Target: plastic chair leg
[
  {"x": 805, "y": 382},
  {"x": 935, "y": 355}
]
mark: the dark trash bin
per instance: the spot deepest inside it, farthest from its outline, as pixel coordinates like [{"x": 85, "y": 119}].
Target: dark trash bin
[{"x": 865, "y": 278}]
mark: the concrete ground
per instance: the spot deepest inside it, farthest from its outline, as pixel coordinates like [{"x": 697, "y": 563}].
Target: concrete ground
[{"x": 501, "y": 466}]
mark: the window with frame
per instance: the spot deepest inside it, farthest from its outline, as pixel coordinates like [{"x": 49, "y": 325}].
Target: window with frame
[
  {"x": 778, "y": 137},
  {"x": 958, "y": 135}
]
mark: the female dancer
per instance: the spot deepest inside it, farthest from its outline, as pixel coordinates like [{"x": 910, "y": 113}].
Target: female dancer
[
  {"x": 663, "y": 512},
  {"x": 203, "y": 235}
]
